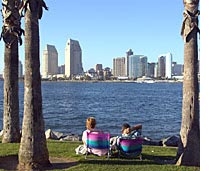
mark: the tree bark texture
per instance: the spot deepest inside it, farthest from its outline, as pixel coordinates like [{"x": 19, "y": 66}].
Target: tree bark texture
[
  {"x": 189, "y": 148},
  {"x": 11, "y": 33},
  {"x": 11, "y": 130},
  {"x": 33, "y": 152}
]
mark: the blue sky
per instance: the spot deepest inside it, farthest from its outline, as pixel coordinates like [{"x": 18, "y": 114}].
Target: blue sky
[{"x": 106, "y": 29}]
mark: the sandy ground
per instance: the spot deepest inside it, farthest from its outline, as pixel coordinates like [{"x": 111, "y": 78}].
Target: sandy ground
[{"x": 11, "y": 162}]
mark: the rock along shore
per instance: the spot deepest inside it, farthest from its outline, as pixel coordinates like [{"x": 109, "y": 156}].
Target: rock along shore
[{"x": 171, "y": 141}]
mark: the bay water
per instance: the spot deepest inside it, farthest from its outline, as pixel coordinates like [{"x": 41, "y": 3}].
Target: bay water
[{"x": 66, "y": 106}]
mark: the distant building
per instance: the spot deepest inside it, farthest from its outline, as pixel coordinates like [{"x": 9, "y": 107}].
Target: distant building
[
  {"x": 119, "y": 66},
  {"x": 49, "y": 61},
  {"x": 20, "y": 69},
  {"x": 168, "y": 72},
  {"x": 107, "y": 73},
  {"x": 151, "y": 69},
  {"x": 177, "y": 69},
  {"x": 134, "y": 66},
  {"x": 128, "y": 53},
  {"x": 61, "y": 69},
  {"x": 98, "y": 67},
  {"x": 73, "y": 58},
  {"x": 156, "y": 70},
  {"x": 143, "y": 66},
  {"x": 161, "y": 66}
]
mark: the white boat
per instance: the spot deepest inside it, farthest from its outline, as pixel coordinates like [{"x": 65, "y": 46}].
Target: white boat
[{"x": 149, "y": 81}]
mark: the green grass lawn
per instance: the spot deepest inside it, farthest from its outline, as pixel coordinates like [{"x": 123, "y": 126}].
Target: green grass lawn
[{"x": 154, "y": 158}]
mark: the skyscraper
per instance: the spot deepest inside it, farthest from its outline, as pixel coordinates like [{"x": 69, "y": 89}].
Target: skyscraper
[
  {"x": 49, "y": 61},
  {"x": 73, "y": 58},
  {"x": 119, "y": 67},
  {"x": 151, "y": 69},
  {"x": 143, "y": 66},
  {"x": 128, "y": 53},
  {"x": 168, "y": 65},
  {"x": 161, "y": 65},
  {"x": 134, "y": 66}
]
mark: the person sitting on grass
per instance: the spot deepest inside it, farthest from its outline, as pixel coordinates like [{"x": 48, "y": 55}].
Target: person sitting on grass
[
  {"x": 127, "y": 132},
  {"x": 91, "y": 126},
  {"x": 131, "y": 132}
]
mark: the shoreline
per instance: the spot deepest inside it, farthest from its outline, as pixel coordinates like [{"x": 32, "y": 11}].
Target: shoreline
[
  {"x": 109, "y": 81},
  {"x": 170, "y": 141},
  {"x": 114, "y": 81}
]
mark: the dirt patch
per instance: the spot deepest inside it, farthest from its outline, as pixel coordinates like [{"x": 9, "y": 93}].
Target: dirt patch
[{"x": 11, "y": 163}]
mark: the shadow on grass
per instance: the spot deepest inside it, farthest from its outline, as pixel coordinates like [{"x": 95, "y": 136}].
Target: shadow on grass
[
  {"x": 147, "y": 160},
  {"x": 58, "y": 166},
  {"x": 160, "y": 159},
  {"x": 11, "y": 162}
]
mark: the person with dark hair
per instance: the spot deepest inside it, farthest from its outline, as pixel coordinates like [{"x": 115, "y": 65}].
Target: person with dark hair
[{"x": 127, "y": 132}]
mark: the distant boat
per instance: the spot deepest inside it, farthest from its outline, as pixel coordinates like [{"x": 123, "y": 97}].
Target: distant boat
[
  {"x": 138, "y": 81},
  {"x": 145, "y": 80},
  {"x": 149, "y": 81}
]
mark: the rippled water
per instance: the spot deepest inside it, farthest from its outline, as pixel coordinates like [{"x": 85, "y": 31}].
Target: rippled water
[{"x": 67, "y": 105}]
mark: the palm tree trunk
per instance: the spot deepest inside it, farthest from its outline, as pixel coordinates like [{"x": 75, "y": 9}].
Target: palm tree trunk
[
  {"x": 33, "y": 152},
  {"x": 11, "y": 128},
  {"x": 189, "y": 148},
  {"x": 11, "y": 19}
]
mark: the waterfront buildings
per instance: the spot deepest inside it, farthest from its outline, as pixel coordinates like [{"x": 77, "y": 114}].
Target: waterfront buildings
[
  {"x": 161, "y": 66},
  {"x": 128, "y": 53},
  {"x": 134, "y": 66},
  {"x": 98, "y": 67},
  {"x": 165, "y": 66},
  {"x": 119, "y": 67},
  {"x": 49, "y": 61},
  {"x": 151, "y": 69},
  {"x": 73, "y": 59},
  {"x": 143, "y": 66},
  {"x": 168, "y": 66},
  {"x": 177, "y": 69},
  {"x": 61, "y": 69},
  {"x": 138, "y": 66}
]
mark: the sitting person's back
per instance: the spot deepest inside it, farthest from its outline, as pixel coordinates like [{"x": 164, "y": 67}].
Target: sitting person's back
[
  {"x": 90, "y": 125},
  {"x": 127, "y": 132}
]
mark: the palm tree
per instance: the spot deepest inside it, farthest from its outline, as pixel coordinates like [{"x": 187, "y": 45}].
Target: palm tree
[
  {"x": 33, "y": 152},
  {"x": 11, "y": 33},
  {"x": 189, "y": 148}
]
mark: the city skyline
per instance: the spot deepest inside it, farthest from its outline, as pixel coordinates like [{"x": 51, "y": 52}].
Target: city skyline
[
  {"x": 53, "y": 47},
  {"x": 106, "y": 29}
]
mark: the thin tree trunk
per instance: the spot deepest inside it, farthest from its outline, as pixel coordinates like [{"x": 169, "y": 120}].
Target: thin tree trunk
[
  {"x": 33, "y": 152},
  {"x": 189, "y": 148},
  {"x": 11, "y": 33}
]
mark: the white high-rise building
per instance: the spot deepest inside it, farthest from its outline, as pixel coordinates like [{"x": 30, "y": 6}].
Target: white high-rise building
[
  {"x": 168, "y": 65},
  {"x": 73, "y": 58},
  {"x": 49, "y": 61}
]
